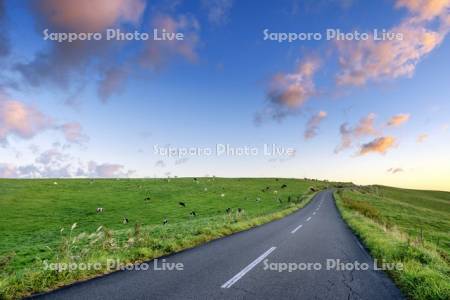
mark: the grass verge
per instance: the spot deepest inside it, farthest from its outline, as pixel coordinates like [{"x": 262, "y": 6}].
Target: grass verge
[{"x": 426, "y": 270}]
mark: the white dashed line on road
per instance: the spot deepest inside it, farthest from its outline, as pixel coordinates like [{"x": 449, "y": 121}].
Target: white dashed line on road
[
  {"x": 297, "y": 228},
  {"x": 244, "y": 271},
  {"x": 309, "y": 218}
]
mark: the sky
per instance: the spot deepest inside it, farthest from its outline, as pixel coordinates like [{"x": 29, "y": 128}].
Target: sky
[{"x": 367, "y": 110}]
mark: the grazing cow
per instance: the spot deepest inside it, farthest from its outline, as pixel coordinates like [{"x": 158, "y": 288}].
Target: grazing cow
[
  {"x": 182, "y": 204},
  {"x": 258, "y": 199},
  {"x": 165, "y": 221},
  {"x": 147, "y": 199},
  {"x": 275, "y": 192},
  {"x": 195, "y": 179},
  {"x": 222, "y": 195},
  {"x": 205, "y": 189},
  {"x": 228, "y": 210},
  {"x": 279, "y": 200},
  {"x": 125, "y": 221},
  {"x": 240, "y": 210},
  {"x": 284, "y": 186},
  {"x": 193, "y": 214},
  {"x": 99, "y": 209}
]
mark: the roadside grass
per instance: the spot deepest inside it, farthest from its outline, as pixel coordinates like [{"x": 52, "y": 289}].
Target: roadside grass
[
  {"x": 47, "y": 223},
  {"x": 404, "y": 226}
]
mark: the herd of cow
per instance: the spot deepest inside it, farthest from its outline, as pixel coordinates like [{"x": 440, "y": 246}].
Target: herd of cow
[{"x": 193, "y": 213}]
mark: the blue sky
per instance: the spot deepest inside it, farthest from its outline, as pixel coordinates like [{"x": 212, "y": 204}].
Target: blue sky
[{"x": 208, "y": 90}]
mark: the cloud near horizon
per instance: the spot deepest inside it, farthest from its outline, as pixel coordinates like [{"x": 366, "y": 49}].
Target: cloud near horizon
[
  {"x": 26, "y": 121},
  {"x": 106, "y": 170},
  {"x": 73, "y": 132},
  {"x": 394, "y": 170},
  {"x": 21, "y": 120},
  {"x": 160, "y": 164},
  {"x": 95, "y": 170},
  {"x": 54, "y": 163}
]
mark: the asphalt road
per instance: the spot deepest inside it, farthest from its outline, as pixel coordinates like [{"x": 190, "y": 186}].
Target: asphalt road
[{"x": 247, "y": 265}]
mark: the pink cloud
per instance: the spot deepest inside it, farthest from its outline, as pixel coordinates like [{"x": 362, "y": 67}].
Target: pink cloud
[
  {"x": 288, "y": 92},
  {"x": 113, "y": 81},
  {"x": 379, "y": 145},
  {"x": 71, "y": 66},
  {"x": 66, "y": 64},
  {"x": 292, "y": 90},
  {"x": 8, "y": 170},
  {"x": 106, "y": 170},
  {"x": 26, "y": 121},
  {"x": 370, "y": 60},
  {"x": 365, "y": 127},
  {"x": 398, "y": 119},
  {"x": 87, "y": 15},
  {"x": 425, "y": 9},
  {"x": 73, "y": 133},
  {"x": 313, "y": 124},
  {"x": 159, "y": 53},
  {"x": 22, "y": 120}
]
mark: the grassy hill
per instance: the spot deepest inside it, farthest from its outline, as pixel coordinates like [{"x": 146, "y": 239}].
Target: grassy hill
[
  {"x": 56, "y": 220},
  {"x": 407, "y": 226}
]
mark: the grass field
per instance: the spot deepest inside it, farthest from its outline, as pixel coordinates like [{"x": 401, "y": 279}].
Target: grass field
[
  {"x": 407, "y": 226},
  {"x": 56, "y": 220}
]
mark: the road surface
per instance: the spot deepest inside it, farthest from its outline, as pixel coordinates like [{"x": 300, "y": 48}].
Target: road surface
[{"x": 250, "y": 265}]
